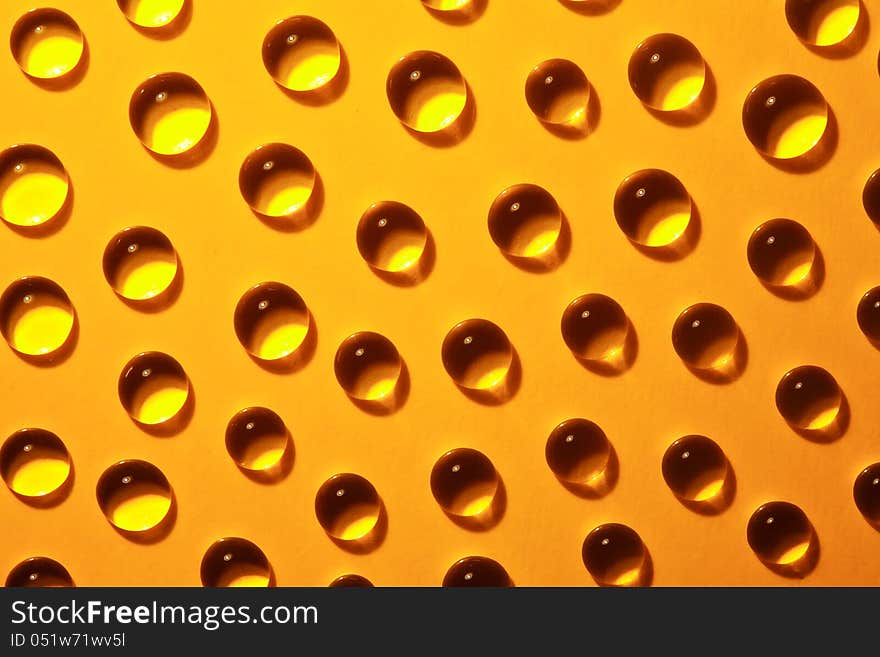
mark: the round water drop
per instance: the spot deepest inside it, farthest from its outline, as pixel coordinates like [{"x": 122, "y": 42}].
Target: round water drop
[
  {"x": 477, "y": 572},
  {"x": 809, "y": 399},
  {"x": 785, "y": 117},
  {"x": 866, "y": 493},
  {"x": 426, "y": 91},
  {"x": 477, "y": 355},
  {"x": 39, "y": 572},
  {"x": 782, "y": 537},
  {"x": 579, "y": 454},
  {"x": 36, "y": 317},
  {"x": 135, "y": 496},
  {"x": 391, "y": 237},
  {"x": 465, "y": 483},
  {"x": 781, "y": 253},
  {"x": 871, "y": 197},
  {"x": 140, "y": 263},
  {"x": 706, "y": 337},
  {"x": 170, "y": 113},
  {"x": 868, "y": 314},
  {"x": 235, "y": 562},
  {"x": 277, "y": 181},
  {"x": 596, "y": 329},
  {"x": 558, "y": 93},
  {"x": 258, "y": 440},
  {"x": 348, "y": 507},
  {"x": 615, "y": 555},
  {"x": 525, "y": 221},
  {"x": 152, "y": 14},
  {"x": 351, "y": 581},
  {"x": 153, "y": 388},
  {"x": 368, "y": 366},
  {"x": 34, "y": 185},
  {"x": 697, "y": 471},
  {"x": 667, "y": 72},
  {"x": 822, "y": 23},
  {"x": 271, "y": 321},
  {"x": 34, "y": 464},
  {"x": 47, "y": 43},
  {"x": 653, "y": 208},
  {"x": 301, "y": 54}
]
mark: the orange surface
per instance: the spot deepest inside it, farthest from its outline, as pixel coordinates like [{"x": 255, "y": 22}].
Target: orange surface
[{"x": 363, "y": 155}]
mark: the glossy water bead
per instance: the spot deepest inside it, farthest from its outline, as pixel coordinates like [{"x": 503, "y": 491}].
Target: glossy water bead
[
  {"x": 652, "y": 208},
  {"x": 558, "y": 93},
  {"x": 871, "y": 197},
  {"x": 257, "y": 440},
  {"x": 235, "y": 562},
  {"x": 615, "y": 555},
  {"x": 34, "y": 464},
  {"x": 782, "y": 537},
  {"x": 348, "y": 507},
  {"x": 34, "y": 185},
  {"x": 785, "y": 117},
  {"x": 525, "y": 221},
  {"x": 36, "y": 317},
  {"x": 426, "y": 91},
  {"x": 465, "y": 483},
  {"x": 47, "y": 43},
  {"x": 697, "y": 471},
  {"x": 277, "y": 181},
  {"x": 152, "y": 14},
  {"x": 868, "y": 314},
  {"x": 579, "y": 453},
  {"x": 367, "y": 366},
  {"x": 706, "y": 337},
  {"x": 781, "y": 253},
  {"x": 350, "y": 581},
  {"x": 301, "y": 53},
  {"x": 271, "y": 321},
  {"x": 822, "y": 22},
  {"x": 809, "y": 398},
  {"x": 135, "y": 496},
  {"x": 667, "y": 72},
  {"x": 477, "y": 354},
  {"x": 866, "y": 493},
  {"x": 36, "y": 572},
  {"x": 477, "y": 572},
  {"x": 140, "y": 263},
  {"x": 154, "y": 389},
  {"x": 391, "y": 237},
  {"x": 596, "y": 329},
  {"x": 170, "y": 113}
]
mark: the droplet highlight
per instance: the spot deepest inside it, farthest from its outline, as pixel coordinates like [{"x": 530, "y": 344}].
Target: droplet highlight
[
  {"x": 235, "y": 562},
  {"x": 782, "y": 537},
  {"x": 465, "y": 483},
  {"x": 477, "y": 572},
  {"x": 822, "y": 23},
  {"x": 277, "y": 181},
  {"x": 35, "y": 465},
  {"x": 785, "y": 117},
  {"x": 271, "y": 321},
  {"x": 558, "y": 93},
  {"x": 36, "y": 317},
  {"x": 34, "y": 185},
  {"x": 301, "y": 54},
  {"x": 348, "y": 508},
  {"x": 140, "y": 264},
  {"x": 525, "y": 222},
  {"x": 615, "y": 555},
  {"x": 653, "y": 208},
  {"x": 47, "y": 43},
  {"x": 154, "y": 389},
  {"x": 667, "y": 72},
  {"x": 36, "y": 572},
  {"x": 426, "y": 91},
  {"x": 135, "y": 497},
  {"x": 392, "y": 237},
  {"x": 170, "y": 113}
]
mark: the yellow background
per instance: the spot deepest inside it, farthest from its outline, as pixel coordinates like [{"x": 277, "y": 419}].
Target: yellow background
[{"x": 364, "y": 155}]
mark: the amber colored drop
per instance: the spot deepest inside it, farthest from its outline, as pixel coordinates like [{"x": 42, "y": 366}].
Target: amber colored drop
[
  {"x": 368, "y": 366},
  {"x": 596, "y": 329},
  {"x": 258, "y": 441},
  {"x": 47, "y": 43},
  {"x": 154, "y": 389},
  {"x": 782, "y": 537},
  {"x": 866, "y": 493},
  {"x": 278, "y": 181},
  {"x": 697, "y": 472},
  {"x": 351, "y": 581},
  {"x": 301, "y": 54},
  {"x": 525, "y": 221},
  {"x": 782, "y": 253},
  {"x": 348, "y": 507},
  {"x": 135, "y": 497},
  {"x": 578, "y": 452},
  {"x": 558, "y": 93},
  {"x": 706, "y": 337},
  {"x": 39, "y": 572},
  {"x": 477, "y": 572},
  {"x": 809, "y": 399},
  {"x": 653, "y": 208},
  {"x": 464, "y": 482},
  {"x": 391, "y": 237},
  {"x": 667, "y": 72},
  {"x": 140, "y": 263},
  {"x": 426, "y": 91},
  {"x": 823, "y": 23},
  {"x": 235, "y": 562},
  {"x": 37, "y": 317},
  {"x": 35, "y": 464},
  {"x": 868, "y": 314},
  {"x": 615, "y": 556},
  {"x": 34, "y": 186},
  {"x": 477, "y": 354},
  {"x": 271, "y": 321}
]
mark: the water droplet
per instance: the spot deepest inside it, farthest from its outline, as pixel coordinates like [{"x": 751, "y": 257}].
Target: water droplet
[
  {"x": 712, "y": 349},
  {"x": 156, "y": 14},
  {"x": 34, "y": 186},
  {"x": 284, "y": 190},
  {"x": 465, "y": 483},
  {"x": 558, "y": 93},
  {"x": 867, "y": 316},
  {"x": 810, "y": 400},
  {"x": 154, "y": 389},
  {"x": 38, "y": 571},
  {"x": 46, "y": 43},
  {"x": 135, "y": 497},
  {"x": 400, "y": 244},
  {"x": 35, "y": 465},
  {"x": 140, "y": 264},
  {"x": 653, "y": 208},
  {"x": 348, "y": 507},
  {"x": 276, "y": 330},
  {"x": 797, "y": 123},
  {"x": 614, "y": 555},
  {"x": 235, "y": 562},
  {"x": 478, "y": 572},
  {"x": 312, "y": 64},
  {"x": 823, "y": 24},
  {"x": 782, "y": 537},
  {"x": 789, "y": 263},
  {"x": 368, "y": 367},
  {"x": 259, "y": 443},
  {"x": 439, "y": 99},
  {"x": 36, "y": 317},
  {"x": 531, "y": 227},
  {"x": 580, "y": 455},
  {"x": 604, "y": 341},
  {"x": 697, "y": 472},
  {"x": 486, "y": 362},
  {"x": 170, "y": 128},
  {"x": 350, "y": 581},
  {"x": 866, "y": 493},
  {"x": 667, "y": 72},
  {"x": 871, "y": 197}
]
